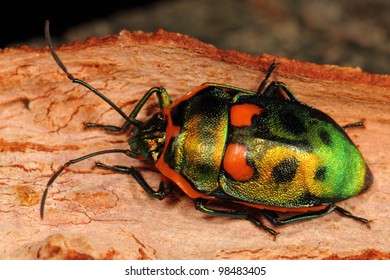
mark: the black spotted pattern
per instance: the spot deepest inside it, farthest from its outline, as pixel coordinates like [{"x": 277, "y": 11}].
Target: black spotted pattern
[{"x": 285, "y": 171}]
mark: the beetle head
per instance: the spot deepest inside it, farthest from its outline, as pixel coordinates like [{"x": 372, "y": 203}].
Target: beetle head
[{"x": 148, "y": 138}]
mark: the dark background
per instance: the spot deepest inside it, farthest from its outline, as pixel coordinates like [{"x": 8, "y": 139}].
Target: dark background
[{"x": 342, "y": 32}]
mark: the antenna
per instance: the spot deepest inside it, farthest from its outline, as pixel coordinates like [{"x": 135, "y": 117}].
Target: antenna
[{"x": 81, "y": 82}]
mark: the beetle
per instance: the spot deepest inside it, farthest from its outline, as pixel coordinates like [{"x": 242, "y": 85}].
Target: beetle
[{"x": 262, "y": 149}]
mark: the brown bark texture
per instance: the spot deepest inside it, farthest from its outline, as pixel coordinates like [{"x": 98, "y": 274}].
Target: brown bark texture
[{"x": 97, "y": 214}]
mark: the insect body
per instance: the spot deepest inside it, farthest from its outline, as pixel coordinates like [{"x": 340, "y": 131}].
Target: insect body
[{"x": 262, "y": 149}]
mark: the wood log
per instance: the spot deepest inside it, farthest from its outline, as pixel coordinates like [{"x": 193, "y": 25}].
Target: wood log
[{"x": 96, "y": 214}]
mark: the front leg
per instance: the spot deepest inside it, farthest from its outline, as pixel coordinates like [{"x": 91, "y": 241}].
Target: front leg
[{"x": 164, "y": 100}]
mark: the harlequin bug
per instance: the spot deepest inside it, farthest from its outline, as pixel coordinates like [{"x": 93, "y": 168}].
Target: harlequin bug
[{"x": 262, "y": 149}]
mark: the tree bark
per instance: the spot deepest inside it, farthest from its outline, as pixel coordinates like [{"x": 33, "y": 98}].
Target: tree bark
[{"x": 96, "y": 214}]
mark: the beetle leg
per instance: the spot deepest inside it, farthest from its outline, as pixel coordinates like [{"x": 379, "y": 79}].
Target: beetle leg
[
  {"x": 200, "y": 205},
  {"x": 274, "y": 89},
  {"x": 269, "y": 72},
  {"x": 355, "y": 124},
  {"x": 275, "y": 220},
  {"x": 273, "y": 217},
  {"x": 348, "y": 214},
  {"x": 164, "y": 100},
  {"x": 163, "y": 190},
  {"x": 110, "y": 128}
]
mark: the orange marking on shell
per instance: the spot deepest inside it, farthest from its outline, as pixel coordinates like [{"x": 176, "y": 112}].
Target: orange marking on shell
[
  {"x": 235, "y": 162},
  {"x": 241, "y": 114}
]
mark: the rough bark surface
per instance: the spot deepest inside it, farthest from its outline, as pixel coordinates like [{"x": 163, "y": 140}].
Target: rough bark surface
[{"x": 96, "y": 214}]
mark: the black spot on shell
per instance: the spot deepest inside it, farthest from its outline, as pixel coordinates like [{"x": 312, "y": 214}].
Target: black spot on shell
[
  {"x": 285, "y": 171},
  {"x": 325, "y": 138},
  {"x": 292, "y": 123},
  {"x": 320, "y": 174}
]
